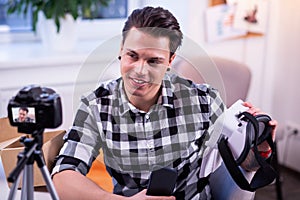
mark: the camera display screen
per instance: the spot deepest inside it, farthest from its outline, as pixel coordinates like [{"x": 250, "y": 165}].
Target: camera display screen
[{"x": 23, "y": 114}]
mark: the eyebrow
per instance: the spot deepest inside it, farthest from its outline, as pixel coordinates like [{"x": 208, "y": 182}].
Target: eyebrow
[
  {"x": 130, "y": 50},
  {"x": 161, "y": 59},
  {"x": 158, "y": 59}
]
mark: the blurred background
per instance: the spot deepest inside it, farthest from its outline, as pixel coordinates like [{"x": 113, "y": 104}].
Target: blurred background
[{"x": 263, "y": 34}]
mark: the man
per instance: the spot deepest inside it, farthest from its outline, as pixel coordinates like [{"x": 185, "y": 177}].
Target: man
[
  {"x": 145, "y": 120},
  {"x": 23, "y": 112}
]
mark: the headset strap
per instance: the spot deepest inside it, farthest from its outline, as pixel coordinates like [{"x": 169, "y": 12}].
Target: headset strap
[{"x": 263, "y": 176}]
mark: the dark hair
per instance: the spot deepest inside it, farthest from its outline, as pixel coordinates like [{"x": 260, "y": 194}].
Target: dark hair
[
  {"x": 24, "y": 109},
  {"x": 156, "y": 22}
]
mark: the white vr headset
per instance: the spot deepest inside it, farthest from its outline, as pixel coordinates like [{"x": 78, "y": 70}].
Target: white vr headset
[{"x": 236, "y": 133}]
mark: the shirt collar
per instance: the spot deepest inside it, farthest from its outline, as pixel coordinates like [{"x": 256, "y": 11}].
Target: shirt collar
[
  {"x": 167, "y": 92},
  {"x": 165, "y": 99}
]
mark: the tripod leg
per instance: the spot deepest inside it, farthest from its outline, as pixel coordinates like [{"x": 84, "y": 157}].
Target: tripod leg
[
  {"x": 24, "y": 185},
  {"x": 13, "y": 189},
  {"x": 27, "y": 191},
  {"x": 49, "y": 184},
  {"x": 46, "y": 175}
]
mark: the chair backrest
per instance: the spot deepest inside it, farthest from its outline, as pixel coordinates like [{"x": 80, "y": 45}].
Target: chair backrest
[{"x": 235, "y": 77}]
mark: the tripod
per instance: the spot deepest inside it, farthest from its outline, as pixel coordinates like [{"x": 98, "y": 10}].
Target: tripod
[{"x": 32, "y": 152}]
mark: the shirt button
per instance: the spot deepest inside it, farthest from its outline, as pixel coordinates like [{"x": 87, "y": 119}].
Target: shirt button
[
  {"x": 147, "y": 116},
  {"x": 150, "y": 145}
]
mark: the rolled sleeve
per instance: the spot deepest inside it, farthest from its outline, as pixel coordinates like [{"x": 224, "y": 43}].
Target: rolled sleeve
[
  {"x": 69, "y": 163},
  {"x": 82, "y": 142}
]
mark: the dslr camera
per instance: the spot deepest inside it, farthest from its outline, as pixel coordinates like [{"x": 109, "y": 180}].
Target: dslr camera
[{"x": 35, "y": 108}]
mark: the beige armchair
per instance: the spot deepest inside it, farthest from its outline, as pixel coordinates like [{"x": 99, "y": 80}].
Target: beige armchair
[{"x": 232, "y": 77}]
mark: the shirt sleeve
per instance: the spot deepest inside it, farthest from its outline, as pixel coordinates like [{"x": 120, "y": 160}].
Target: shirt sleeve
[
  {"x": 82, "y": 141},
  {"x": 217, "y": 105},
  {"x": 211, "y": 157}
]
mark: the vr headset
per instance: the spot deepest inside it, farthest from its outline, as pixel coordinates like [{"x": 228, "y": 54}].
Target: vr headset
[{"x": 236, "y": 133}]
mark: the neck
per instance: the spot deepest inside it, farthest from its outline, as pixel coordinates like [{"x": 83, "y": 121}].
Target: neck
[{"x": 143, "y": 104}]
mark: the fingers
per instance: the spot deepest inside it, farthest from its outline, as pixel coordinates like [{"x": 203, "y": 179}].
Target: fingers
[
  {"x": 274, "y": 124},
  {"x": 255, "y": 111},
  {"x": 160, "y": 198},
  {"x": 252, "y": 110},
  {"x": 142, "y": 195},
  {"x": 265, "y": 146},
  {"x": 247, "y": 104}
]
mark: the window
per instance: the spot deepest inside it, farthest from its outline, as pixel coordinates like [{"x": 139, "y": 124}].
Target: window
[
  {"x": 115, "y": 9},
  {"x": 18, "y": 27},
  {"x": 13, "y": 22}
]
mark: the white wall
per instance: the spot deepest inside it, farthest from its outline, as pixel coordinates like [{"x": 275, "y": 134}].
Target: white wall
[
  {"x": 287, "y": 70},
  {"x": 286, "y": 95}
]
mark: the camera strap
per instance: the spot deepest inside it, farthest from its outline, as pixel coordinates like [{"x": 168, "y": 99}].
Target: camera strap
[{"x": 265, "y": 174}]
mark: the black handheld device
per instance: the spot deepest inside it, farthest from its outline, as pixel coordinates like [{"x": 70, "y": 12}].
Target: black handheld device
[{"x": 162, "y": 182}]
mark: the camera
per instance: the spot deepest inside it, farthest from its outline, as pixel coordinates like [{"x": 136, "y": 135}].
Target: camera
[{"x": 35, "y": 108}]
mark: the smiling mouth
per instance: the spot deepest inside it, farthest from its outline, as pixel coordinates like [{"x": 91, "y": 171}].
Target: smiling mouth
[
  {"x": 139, "y": 81},
  {"x": 136, "y": 82}
]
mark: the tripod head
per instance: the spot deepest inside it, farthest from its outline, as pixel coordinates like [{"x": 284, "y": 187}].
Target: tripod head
[{"x": 31, "y": 144}]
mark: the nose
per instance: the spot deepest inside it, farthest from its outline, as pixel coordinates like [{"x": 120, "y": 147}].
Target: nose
[{"x": 141, "y": 67}]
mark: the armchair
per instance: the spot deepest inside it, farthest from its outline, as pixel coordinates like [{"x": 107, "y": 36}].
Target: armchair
[{"x": 233, "y": 77}]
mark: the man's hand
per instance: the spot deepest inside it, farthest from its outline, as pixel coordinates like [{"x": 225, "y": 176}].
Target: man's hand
[
  {"x": 250, "y": 163},
  {"x": 256, "y": 111},
  {"x": 142, "y": 196}
]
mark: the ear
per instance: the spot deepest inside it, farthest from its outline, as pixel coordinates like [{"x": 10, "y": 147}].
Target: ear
[
  {"x": 121, "y": 49},
  {"x": 171, "y": 59}
]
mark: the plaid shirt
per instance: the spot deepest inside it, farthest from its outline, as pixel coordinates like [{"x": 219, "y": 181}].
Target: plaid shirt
[{"x": 135, "y": 143}]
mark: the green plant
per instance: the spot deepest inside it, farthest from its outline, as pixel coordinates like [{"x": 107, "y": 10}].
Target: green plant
[{"x": 56, "y": 9}]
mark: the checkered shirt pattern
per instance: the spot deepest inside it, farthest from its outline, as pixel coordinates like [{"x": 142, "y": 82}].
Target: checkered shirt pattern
[{"x": 135, "y": 143}]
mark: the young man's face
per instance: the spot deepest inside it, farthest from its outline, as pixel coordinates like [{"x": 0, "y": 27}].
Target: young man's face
[
  {"x": 144, "y": 61},
  {"x": 22, "y": 115}
]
